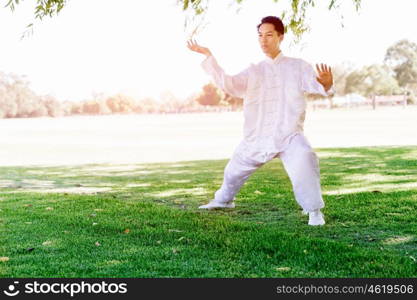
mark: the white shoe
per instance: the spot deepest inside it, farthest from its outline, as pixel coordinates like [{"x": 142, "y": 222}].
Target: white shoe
[
  {"x": 316, "y": 218},
  {"x": 213, "y": 205}
]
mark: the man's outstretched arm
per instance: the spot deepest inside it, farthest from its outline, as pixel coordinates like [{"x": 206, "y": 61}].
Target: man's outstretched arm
[{"x": 233, "y": 85}]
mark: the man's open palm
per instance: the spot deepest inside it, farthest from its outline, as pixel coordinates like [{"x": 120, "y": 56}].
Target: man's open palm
[
  {"x": 194, "y": 46},
  {"x": 325, "y": 76}
]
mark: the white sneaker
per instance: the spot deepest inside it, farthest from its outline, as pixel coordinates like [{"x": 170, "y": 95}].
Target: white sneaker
[
  {"x": 316, "y": 218},
  {"x": 213, "y": 205}
]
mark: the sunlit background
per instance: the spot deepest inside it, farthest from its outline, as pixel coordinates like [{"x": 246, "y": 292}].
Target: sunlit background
[
  {"x": 107, "y": 53},
  {"x": 138, "y": 47}
]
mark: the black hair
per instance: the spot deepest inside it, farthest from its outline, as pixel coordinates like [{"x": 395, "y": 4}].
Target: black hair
[{"x": 279, "y": 26}]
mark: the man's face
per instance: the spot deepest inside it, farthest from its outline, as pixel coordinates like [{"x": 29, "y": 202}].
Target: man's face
[{"x": 269, "y": 39}]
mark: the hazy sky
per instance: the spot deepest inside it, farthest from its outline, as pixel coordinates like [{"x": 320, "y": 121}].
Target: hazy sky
[{"x": 138, "y": 47}]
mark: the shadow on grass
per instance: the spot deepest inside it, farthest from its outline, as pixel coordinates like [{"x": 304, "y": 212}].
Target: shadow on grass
[{"x": 370, "y": 195}]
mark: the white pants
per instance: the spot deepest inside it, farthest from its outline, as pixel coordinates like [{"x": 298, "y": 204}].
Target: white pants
[{"x": 300, "y": 162}]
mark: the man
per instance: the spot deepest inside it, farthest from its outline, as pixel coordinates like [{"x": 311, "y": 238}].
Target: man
[{"x": 274, "y": 112}]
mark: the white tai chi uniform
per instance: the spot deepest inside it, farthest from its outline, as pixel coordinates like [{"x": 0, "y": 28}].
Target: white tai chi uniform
[{"x": 274, "y": 111}]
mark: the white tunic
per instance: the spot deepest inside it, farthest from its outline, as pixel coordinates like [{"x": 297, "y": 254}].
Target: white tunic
[{"x": 274, "y": 103}]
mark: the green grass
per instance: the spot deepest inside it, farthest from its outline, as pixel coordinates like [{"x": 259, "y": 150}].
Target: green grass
[{"x": 147, "y": 223}]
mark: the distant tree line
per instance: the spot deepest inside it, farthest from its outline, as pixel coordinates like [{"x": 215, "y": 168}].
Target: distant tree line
[
  {"x": 398, "y": 75},
  {"x": 18, "y": 100}
]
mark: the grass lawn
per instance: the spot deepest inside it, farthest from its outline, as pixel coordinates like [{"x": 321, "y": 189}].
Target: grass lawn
[{"x": 141, "y": 220}]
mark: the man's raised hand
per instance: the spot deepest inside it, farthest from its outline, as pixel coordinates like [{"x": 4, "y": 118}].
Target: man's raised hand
[
  {"x": 194, "y": 46},
  {"x": 325, "y": 76}
]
